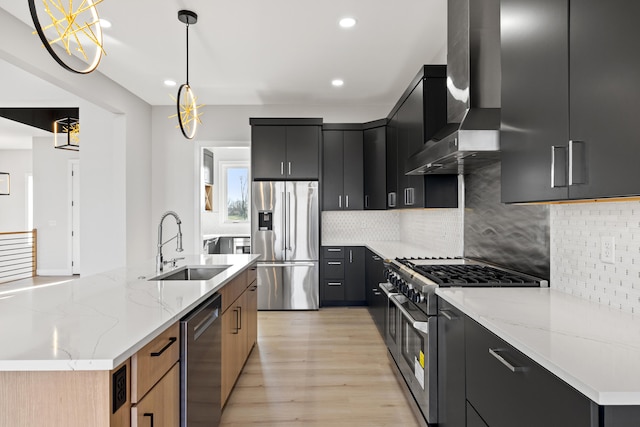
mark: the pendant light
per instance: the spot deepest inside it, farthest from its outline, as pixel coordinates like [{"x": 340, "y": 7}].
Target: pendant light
[
  {"x": 72, "y": 27},
  {"x": 186, "y": 103},
  {"x": 66, "y": 134}
]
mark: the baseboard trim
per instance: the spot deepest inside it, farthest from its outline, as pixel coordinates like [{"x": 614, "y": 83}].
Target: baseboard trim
[{"x": 53, "y": 272}]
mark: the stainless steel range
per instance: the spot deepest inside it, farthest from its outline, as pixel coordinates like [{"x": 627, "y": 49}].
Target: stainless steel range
[{"x": 411, "y": 318}]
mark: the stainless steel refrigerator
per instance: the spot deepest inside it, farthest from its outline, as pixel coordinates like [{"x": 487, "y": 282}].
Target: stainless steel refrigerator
[{"x": 285, "y": 232}]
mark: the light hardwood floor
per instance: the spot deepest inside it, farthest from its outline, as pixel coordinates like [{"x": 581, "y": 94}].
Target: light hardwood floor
[{"x": 318, "y": 368}]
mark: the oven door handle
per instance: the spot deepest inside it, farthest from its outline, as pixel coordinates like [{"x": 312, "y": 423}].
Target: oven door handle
[{"x": 420, "y": 326}]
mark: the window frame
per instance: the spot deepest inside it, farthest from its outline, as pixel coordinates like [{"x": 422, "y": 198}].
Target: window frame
[{"x": 224, "y": 167}]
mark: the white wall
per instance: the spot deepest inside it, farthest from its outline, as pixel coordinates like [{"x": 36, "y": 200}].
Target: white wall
[
  {"x": 51, "y": 208},
  {"x": 176, "y": 161},
  {"x": 116, "y": 167},
  {"x": 13, "y": 212}
]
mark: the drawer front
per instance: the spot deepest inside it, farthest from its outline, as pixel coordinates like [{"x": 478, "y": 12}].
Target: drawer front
[
  {"x": 333, "y": 252},
  {"x": 473, "y": 419},
  {"x": 333, "y": 269},
  {"x": 150, "y": 363},
  {"x": 252, "y": 275},
  {"x": 232, "y": 290},
  {"x": 161, "y": 406},
  {"x": 333, "y": 290},
  {"x": 508, "y": 389}
]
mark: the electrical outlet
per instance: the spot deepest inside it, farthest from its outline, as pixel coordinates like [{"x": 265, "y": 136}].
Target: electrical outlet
[{"x": 607, "y": 250}]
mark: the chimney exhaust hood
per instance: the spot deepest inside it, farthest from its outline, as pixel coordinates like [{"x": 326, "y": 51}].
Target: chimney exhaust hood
[{"x": 471, "y": 138}]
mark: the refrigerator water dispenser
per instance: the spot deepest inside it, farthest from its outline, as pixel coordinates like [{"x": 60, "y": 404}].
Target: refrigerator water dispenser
[{"x": 265, "y": 221}]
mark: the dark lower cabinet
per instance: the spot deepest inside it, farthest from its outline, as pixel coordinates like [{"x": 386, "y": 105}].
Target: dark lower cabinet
[
  {"x": 451, "y": 366},
  {"x": 376, "y": 299},
  {"x": 473, "y": 419},
  {"x": 342, "y": 276},
  {"x": 507, "y": 389}
]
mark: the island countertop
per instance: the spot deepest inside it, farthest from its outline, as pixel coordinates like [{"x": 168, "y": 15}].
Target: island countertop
[{"x": 99, "y": 321}]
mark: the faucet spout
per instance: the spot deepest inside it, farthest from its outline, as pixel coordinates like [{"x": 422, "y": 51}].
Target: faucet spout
[{"x": 178, "y": 237}]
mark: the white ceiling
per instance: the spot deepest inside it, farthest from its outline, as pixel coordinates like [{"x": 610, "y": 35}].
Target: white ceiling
[{"x": 269, "y": 51}]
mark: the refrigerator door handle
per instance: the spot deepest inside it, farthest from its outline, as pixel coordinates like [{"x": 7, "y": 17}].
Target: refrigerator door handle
[
  {"x": 284, "y": 226},
  {"x": 288, "y": 215},
  {"x": 289, "y": 264}
]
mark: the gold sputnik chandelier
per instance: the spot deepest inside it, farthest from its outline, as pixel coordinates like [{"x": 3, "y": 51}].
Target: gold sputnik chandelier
[
  {"x": 70, "y": 30},
  {"x": 187, "y": 102}
]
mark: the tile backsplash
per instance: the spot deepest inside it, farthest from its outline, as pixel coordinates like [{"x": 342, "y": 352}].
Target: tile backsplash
[
  {"x": 441, "y": 230},
  {"x": 359, "y": 226},
  {"x": 577, "y": 231}
]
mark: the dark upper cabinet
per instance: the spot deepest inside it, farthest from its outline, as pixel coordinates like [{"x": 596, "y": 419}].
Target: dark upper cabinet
[
  {"x": 342, "y": 168},
  {"x": 392, "y": 162},
  {"x": 569, "y": 94},
  {"x": 375, "y": 167},
  {"x": 418, "y": 115},
  {"x": 285, "y": 149}
]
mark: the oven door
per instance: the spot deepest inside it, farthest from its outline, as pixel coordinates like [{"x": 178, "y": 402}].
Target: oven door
[
  {"x": 392, "y": 315},
  {"x": 417, "y": 354}
]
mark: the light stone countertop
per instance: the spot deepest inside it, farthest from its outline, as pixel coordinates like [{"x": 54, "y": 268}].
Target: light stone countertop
[
  {"x": 593, "y": 348},
  {"x": 390, "y": 249},
  {"x": 99, "y": 321}
]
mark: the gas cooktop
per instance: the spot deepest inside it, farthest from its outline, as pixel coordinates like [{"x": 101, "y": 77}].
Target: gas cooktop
[{"x": 446, "y": 272}]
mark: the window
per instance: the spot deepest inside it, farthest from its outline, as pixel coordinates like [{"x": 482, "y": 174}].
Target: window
[{"x": 236, "y": 191}]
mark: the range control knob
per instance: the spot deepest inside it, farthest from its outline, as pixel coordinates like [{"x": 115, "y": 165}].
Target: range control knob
[
  {"x": 411, "y": 293},
  {"x": 418, "y": 298}
]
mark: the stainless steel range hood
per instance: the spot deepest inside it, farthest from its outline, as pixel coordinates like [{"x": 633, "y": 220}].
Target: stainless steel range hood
[{"x": 471, "y": 139}]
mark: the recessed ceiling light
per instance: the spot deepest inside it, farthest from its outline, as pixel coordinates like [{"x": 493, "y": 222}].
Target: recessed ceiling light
[
  {"x": 170, "y": 83},
  {"x": 347, "y": 22},
  {"x": 337, "y": 82},
  {"x": 104, "y": 23}
]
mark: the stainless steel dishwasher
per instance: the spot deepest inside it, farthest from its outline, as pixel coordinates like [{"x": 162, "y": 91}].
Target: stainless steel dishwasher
[{"x": 200, "y": 365}]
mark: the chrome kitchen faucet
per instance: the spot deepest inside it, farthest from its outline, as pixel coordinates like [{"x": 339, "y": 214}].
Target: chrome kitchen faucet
[{"x": 159, "y": 260}]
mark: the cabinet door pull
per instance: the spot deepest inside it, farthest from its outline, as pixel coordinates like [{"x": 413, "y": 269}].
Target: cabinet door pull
[
  {"x": 163, "y": 349},
  {"x": 366, "y": 201},
  {"x": 340, "y": 201},
  {"x": 447, "y": 315},
  {"x": 347, "y": 201},
  {"x": 334, "y": 250},
  {"x": 281, "y": 168},
  {"x": 350, "y": 256},
  {"x": 512, "y": 368},
  {"x": 334, "y": 284},
  {"x": 558, "y": 166},
  {"x": 577, "y": 162},
  {"x": 150, "y": 415},
  {"x": 289, "y": 168},
  {"x": 237, "y": 331},
  {"x": 391, "y": 200},
  {"x": 334, "y": 262},
  {"x": 376, "y": 258},
  {"x": 239, "y": 317}
]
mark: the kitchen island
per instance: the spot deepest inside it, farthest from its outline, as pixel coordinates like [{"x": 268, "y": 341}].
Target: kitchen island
[{"x": 63, "y": 342}]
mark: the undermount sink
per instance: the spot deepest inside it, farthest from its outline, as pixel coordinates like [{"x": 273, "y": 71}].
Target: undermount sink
[{"x": 192, "y": 273}]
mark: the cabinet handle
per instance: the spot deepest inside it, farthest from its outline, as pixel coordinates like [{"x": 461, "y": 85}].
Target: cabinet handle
[
  {"x": 239, "y": 317},
  {"x": 377, "y": 294},
  {"x": 163, "y": 349},
  {"x": 289, "y": 168},
  {"x": 366, "y": 201},
  {"x": 376, "y": 258},
  {"x": 347, "y": 201},
  {"x": 150, "y": 415},
  {"x": 577, "y": 151},
  {"x": 237, "y": 322},
  {"x": 281, "y": 168},
  {"x": 334, "y": 250},
  {"x": 350, "y": 256},
  {"x": 340, "y": 201},
  {"x": 558, "y": 163},
  {"x": 391, "y": 199},
  {"x": 447, "y": 315},
  {"x": 512, "y": 368},
  {"x": 334, "y": 284},
  {"x": 334, "y": 262}
]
